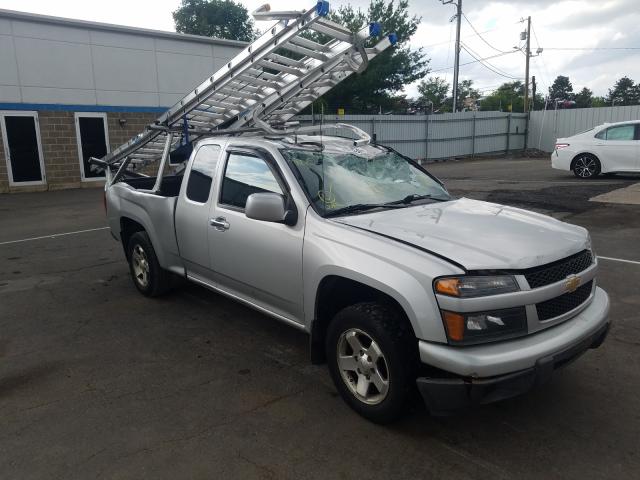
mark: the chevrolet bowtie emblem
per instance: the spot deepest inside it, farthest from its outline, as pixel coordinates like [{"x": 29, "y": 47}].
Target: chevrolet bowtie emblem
[{"x": 572, "y": 283}]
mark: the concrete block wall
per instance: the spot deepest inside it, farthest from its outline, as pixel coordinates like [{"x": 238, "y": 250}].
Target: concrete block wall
[
  {"x": 60, "y": 148},
  {"x": 135, "y": 123}
]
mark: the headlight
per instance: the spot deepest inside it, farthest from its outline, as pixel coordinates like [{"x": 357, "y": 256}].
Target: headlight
[
  {"x": 478, "y": 286},
  {"x": 481, "y": 327}
]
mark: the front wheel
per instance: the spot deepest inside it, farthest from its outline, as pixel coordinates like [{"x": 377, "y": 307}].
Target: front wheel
[
  {"x": 586, "y": 166},
  {"x": 371, "y": 353},
  {"x": 147, "y": 274}
]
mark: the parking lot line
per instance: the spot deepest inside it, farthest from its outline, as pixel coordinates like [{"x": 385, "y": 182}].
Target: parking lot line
[
  {"x": 634, "y": 262},
  {"x": 546, "y": 182},
  {"x": 55, "y": 235}
]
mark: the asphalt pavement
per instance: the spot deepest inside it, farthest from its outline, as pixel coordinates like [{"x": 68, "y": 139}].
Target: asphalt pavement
[{"x": 97, "y": 381}]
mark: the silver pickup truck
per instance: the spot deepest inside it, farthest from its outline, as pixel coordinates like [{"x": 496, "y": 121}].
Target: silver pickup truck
[{"x": 401, "y": 287}]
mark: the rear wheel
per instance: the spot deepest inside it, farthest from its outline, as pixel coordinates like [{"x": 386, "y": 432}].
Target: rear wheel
[
  {"x": 370, "y": 353},
  {"x": 147, "y": 274},
  {"x": 586, "y": 166}
]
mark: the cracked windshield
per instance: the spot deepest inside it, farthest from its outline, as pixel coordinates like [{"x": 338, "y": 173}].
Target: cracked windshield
[{"x": 365, "y": 176}]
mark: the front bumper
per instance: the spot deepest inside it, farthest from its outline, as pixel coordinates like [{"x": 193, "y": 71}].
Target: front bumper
[{"x": 488, "y": 373}]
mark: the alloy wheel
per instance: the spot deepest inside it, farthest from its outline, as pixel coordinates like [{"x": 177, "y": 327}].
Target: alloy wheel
[
  {"x": 363, "y": 366},
  {"x": 140, "y": 266},
  {"x": 585, "y": 167}
]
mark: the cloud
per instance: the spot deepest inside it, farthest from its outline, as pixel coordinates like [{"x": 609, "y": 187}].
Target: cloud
[{"x": 557, "y": 24}]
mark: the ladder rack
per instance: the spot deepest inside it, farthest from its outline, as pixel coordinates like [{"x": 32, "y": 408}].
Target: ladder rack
[{"x": 259, "y": 90}]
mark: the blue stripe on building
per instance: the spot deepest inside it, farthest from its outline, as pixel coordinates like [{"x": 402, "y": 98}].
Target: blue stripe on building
[{"x": 81, "y": 108}]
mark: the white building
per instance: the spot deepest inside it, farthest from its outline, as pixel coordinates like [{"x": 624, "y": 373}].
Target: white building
[{"x": 71, "y": 89}]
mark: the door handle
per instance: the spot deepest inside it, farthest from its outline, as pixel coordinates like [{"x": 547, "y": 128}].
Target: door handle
[{"x": 219, "y": 223}]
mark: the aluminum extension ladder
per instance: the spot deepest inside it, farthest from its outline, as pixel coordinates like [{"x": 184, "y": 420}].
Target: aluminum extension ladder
[{"x": 260, "y": 89}]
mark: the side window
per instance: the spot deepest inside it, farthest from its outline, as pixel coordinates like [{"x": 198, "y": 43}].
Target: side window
[
  {"x": 623, "y": 132},
  {"x": 245, "y": 175},
  {"x": 602, "y": 134},
  {"x": 202, "y": 172}
]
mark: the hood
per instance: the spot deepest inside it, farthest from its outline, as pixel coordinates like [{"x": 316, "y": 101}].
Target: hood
[{"x": 477, "y": 235}]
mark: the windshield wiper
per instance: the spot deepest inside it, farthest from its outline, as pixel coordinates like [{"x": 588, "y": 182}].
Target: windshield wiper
[
  {"x": 360, "y": 207},
  {"x": 414, "y": 197}
]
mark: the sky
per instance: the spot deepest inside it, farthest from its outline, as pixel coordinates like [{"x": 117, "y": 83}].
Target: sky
[{"x": 608, "y": 27}]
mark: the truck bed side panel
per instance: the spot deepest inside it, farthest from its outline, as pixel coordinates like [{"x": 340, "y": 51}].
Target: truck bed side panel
[{"x": 154, "y": 213}]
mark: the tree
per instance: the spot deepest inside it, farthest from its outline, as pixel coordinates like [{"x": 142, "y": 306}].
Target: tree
[
  {"x": 538, "y": 102},
  {"x": 509, "y": 97},
  {"x": 584, "y": 98},
  {"x": 376, "y": 88},
  {"x": 433, "y": 91},
  {"x": 624, "y": 92},
  {"x": 599, "y": 102},
  {"x": 561, "y": 89},
  {"x": 466, "y": 91},
  {"x": 215, "y": 18}
]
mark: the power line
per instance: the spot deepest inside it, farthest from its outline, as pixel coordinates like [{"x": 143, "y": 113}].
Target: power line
[
  {"x": 535, "y": 36},
  {"x": 442, "y": 69},
  {"x": 449, "y": 49},
  {"x": 479, "y": 35},
  {"x": 581, "y": 48},
  {"x": 488, "y": 87},
  {"x": 591, "y": 48},
  {"x": 545, "y": 71},
  {"x": 489, "y": 66},
  {"x": 470, "y": 36}
]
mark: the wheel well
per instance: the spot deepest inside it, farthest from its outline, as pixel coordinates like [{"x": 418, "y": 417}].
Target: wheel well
[
  {"x": 127, "y": 228},
  {"x": 573, "y": 162},
  {"x": 334, "y": 294}
]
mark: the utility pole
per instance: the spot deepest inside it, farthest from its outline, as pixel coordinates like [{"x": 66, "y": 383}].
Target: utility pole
[
  {"x": 534, "y": 88},
  {"x": 526, "y": 72},
  {"x": 456, "y": 67}
]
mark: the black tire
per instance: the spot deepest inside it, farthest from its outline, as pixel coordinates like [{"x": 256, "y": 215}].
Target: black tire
[
  {"x": 390, "y": 330},
  {"x": 157, "y": 280},
  {"x": 586, "y": 166}
]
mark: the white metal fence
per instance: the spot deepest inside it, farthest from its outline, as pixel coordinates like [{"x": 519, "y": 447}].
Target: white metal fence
[
  {"x": 546, "y": 126},
  {"x": 439, "y": 136},
  {"x": 449, "y": 135}
]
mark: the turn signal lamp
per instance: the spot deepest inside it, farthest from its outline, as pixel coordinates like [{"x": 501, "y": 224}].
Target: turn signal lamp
[{"x": 454, "y": 322}]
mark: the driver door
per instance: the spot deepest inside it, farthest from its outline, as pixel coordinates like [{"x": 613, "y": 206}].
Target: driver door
[{"x": 258, "y": 261}]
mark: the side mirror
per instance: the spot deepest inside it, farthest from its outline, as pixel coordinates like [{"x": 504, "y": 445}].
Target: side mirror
[{"x": 268, "y": 207}]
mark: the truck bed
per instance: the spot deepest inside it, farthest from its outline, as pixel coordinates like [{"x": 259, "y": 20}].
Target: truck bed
[{"x": 170, "y": 186}]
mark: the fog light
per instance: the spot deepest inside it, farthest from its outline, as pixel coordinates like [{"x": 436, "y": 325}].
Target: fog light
[
  {"x": 481, "y": 327},
  {"x": 479, "y": 322}
]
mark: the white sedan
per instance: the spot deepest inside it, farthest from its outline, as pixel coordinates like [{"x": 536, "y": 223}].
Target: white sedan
[{"x": 608, "y": 148}]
